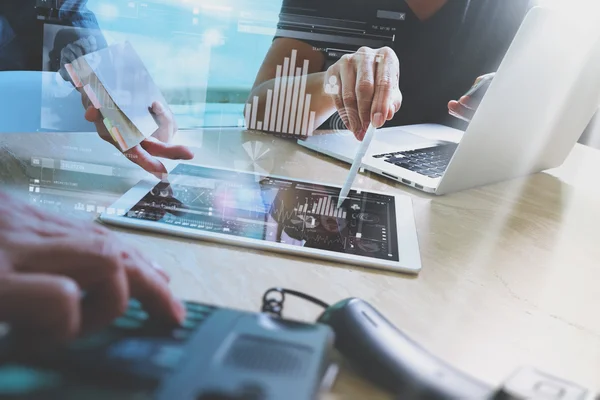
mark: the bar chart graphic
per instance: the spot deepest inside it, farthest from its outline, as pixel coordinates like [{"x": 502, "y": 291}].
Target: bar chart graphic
[
  {"x": 326, "y": 206},
  {"x": 287, "y": 105}
]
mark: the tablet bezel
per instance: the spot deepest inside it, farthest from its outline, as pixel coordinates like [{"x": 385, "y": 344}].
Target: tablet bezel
[{"x": 409, "y": 259}]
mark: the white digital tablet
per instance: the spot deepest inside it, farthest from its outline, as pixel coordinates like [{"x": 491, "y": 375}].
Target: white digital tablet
[{"x": 275, "y": 214}]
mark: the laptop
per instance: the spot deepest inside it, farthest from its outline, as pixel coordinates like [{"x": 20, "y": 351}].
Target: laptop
[{"x": 544, "y": 94}]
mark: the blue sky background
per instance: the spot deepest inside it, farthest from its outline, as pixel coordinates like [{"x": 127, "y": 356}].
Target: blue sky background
[{"x": 194, "y": 41}]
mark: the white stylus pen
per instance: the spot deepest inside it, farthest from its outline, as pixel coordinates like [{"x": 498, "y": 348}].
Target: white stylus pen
[{"x": 362, "y": 150}]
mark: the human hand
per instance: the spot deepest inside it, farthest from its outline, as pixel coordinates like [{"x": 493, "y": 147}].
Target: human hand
[
  {"x": 157, "y": 145},
  {"x": 73, "y": 51},
  {"x": 466, "y": 106},
  {"x": 145, "y": 154},
  {"x": 365, "y": 88},
  {"x": 63, "y": 278}
]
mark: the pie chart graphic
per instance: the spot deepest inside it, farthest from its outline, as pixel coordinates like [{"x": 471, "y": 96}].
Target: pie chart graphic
[
  {"x": 367, "y": 246},
  {"x": 255, "y": 157},
  {"x": 366, "y": 217},
  {"x": 308, "y": 222}
]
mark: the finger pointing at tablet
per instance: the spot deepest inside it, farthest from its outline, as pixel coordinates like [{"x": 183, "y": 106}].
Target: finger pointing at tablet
[{"x": 365, "y": 89}]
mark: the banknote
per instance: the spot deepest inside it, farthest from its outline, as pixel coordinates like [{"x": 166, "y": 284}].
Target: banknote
[{"x": 121, "y": 88}]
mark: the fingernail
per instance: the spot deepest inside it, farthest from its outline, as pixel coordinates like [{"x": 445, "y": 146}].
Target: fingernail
[
  {"x": 157, "y": 266},
  {"x": 160, "y": 270},
  {"x": 378, "y": 119},
  {"x": 360, "y": 134},
  {"x": 179, "y": 310},
  {"x": 158, "y": 108},
  {"x": 92, "y": 96}
]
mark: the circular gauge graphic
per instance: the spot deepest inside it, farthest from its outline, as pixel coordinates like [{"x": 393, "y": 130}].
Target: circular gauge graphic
[
  {"x": 333, "y": 224},
  {"x": 366, "y": 217},
  {"x": 337, "y": 125},
  {"x": 367, "y": 246},
  {"x": 310, "y": 222},
  {"x": 186, "y": 196}
]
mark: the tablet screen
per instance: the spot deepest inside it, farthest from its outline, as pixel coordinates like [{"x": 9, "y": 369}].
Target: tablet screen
[{"x": 273, "y": 209}]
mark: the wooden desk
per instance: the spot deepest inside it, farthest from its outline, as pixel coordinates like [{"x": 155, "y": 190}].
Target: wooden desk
[{"x": 510, "y": 271}]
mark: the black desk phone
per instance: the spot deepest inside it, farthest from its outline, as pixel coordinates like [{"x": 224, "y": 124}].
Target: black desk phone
[
  {"x": 225, "y": 354},
  {"x": 217, "y": 354}
]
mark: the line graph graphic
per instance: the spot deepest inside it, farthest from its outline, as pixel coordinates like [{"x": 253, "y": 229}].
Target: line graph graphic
[
  {"x": 281, "y": 214},
  {"x": 287, "y": 105},
  {"x": 331, "y": 240}
]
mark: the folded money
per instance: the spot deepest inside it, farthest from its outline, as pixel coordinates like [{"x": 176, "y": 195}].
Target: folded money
[{"x": 121, "y": 88}]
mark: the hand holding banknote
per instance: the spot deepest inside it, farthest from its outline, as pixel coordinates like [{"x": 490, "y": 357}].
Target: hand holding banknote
[
  {"x": 117, "y": 93},
  {"x": 145, "y": 154}
]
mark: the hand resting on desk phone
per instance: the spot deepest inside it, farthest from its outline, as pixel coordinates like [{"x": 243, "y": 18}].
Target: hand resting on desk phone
[{"x": 69, "y": 277}]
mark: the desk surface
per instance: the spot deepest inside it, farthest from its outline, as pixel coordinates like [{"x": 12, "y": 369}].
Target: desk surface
[{"x": 510, "y": 271}]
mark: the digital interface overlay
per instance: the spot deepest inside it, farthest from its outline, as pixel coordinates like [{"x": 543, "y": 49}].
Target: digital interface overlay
[{"x": 273, "y": 209}]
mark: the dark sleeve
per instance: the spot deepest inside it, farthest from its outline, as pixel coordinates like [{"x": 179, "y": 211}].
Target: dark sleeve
[
  {"x": 488, "y": 29},
  {"x": 11, "y": 54},
  {"x": 312, "y": 21},
  {"x": 289, "y": 13},
  {"x": 79, "y": 22},
  {"x": 75, "y": 13}
]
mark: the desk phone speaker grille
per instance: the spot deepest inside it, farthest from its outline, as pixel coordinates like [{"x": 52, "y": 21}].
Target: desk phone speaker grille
[{"x": 270, "y": 356}]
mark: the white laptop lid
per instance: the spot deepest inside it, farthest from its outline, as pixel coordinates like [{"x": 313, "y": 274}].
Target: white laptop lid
[{"x": 542, "y": 98}]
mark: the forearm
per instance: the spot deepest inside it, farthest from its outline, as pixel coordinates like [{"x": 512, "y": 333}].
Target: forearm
[{"x": 320, "y": 103}]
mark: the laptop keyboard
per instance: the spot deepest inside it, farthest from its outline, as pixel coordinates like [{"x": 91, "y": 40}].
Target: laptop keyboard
[{"x": 431, "y": 161}]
